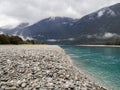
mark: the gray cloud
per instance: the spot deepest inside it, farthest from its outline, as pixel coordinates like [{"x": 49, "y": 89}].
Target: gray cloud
[
  {"x": 106, "y": 35},
  {"x": 12, "y": 12}
]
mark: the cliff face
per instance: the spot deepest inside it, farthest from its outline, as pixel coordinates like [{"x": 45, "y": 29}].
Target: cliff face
[{"x": 40, "y": 67}]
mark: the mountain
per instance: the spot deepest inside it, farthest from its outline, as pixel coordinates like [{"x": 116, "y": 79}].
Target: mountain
[
  {"x": 102, "y": 25},
  {"x": 104, "y": 20},
  {"x": 14, "y": 31},
  {"x": 51, "y": 28}
]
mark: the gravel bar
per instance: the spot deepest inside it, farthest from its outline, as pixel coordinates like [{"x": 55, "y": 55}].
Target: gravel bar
[{"x": 40, "y": 67}]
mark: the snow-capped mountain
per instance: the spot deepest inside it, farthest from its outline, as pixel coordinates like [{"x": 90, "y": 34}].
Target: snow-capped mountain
[
  {"x": 105, "y": 20},
  {"x": 101, "y": 25},
  {"x": 50, "y": 28}
]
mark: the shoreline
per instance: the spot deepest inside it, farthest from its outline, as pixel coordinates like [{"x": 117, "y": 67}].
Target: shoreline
[
  {"x": 43, "y": 67},
  {"x": 90, "y": 76},
  {"x": 117, "y": 46},
  {"x": 86, "y": 74}
]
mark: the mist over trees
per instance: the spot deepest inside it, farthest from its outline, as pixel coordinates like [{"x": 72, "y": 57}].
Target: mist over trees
[{"x": 5, "y": 39}]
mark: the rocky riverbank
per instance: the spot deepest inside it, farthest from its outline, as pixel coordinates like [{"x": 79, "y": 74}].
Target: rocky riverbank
[{"x": 40, "y": 67}]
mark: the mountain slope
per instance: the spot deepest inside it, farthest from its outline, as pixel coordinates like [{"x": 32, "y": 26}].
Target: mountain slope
[
  {"x": 51, "y": 29},
  {"x": 102, "y": 25}
]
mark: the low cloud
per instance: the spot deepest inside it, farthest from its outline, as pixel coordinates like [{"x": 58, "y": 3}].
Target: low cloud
[
  {"x": 58, "y": 40},
  {"x": 13, "y": 12},
  {"x": 106, "y": 35},
  {"x": 25, "y": 38},
  {"x": 52, "y": 40},
  {"x": 110, "y": 35},
  {"x": 1, "y": 32}
]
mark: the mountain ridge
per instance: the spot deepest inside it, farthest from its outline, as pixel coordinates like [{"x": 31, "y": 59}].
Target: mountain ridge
[{"x": 102, "y": 25}]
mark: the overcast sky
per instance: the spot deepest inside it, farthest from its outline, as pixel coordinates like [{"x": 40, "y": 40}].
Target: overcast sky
[{"x": 13, "y": 12}]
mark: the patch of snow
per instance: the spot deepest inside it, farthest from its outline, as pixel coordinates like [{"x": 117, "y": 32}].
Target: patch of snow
[
  {"x": 52, "y": 18},
  {"x": 101, "y": 13},
  {"x": 107, "y": 11},
  {"x": 52, "y": 40},
  {"x": 111, "y": 12}
]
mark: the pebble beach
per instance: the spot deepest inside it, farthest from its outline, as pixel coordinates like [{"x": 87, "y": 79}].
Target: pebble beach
[{"x": 40, "y": 67}]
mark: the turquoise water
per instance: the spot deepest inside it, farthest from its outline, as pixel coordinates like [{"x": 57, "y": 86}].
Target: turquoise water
[{"x": 102, "y": 63}]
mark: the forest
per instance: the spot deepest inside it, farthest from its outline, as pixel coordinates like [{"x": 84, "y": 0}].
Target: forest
[{"x": 6, "y": 39}]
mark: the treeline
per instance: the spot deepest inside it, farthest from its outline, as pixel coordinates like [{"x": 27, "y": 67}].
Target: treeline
[
  {"x": 6, "y": 39},
  {"x": 113, "y": 42}
]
